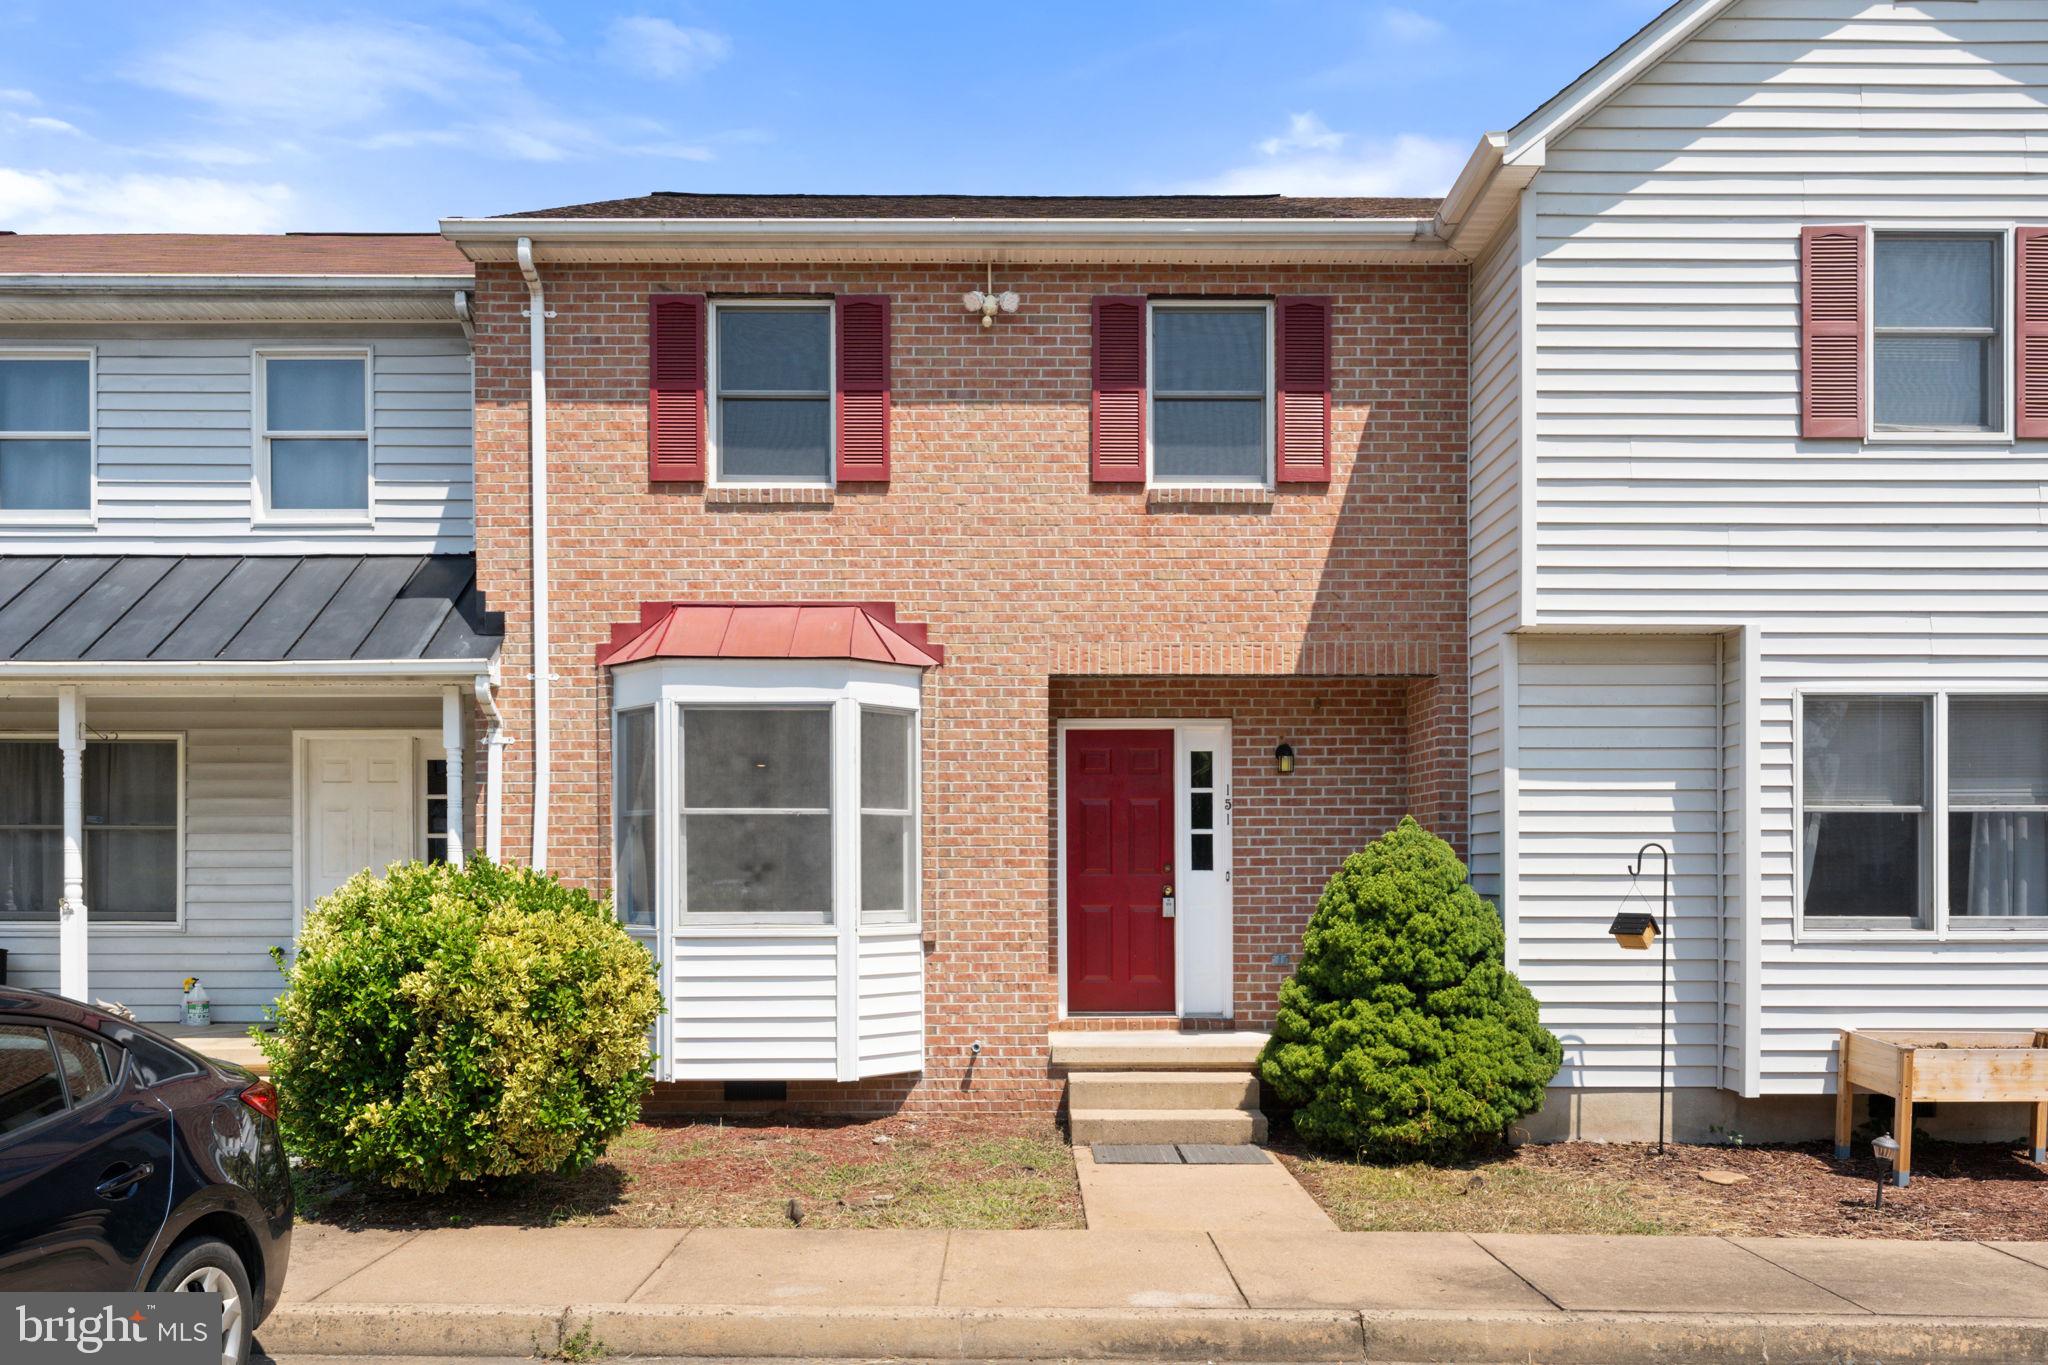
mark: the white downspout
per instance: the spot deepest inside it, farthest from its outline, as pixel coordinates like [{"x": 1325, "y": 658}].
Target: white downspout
[
  {"x": 495, "y": 740},
  {"x": 543, "y": 672}
]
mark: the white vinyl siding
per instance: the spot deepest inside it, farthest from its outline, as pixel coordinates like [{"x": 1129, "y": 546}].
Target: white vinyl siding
[
  {"x": 1669, "y": 487},
  {"x": 1621, "y": 745},
  {"x": 239, "y": 897},
  {"x": 176, "y": 447},
  {"x": 1493, "y": 532}
]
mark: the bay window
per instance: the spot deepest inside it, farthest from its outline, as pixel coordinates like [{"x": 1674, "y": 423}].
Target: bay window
[
  {"x": 1924, "y": 812},
  {"x": 757, "y": 839}
]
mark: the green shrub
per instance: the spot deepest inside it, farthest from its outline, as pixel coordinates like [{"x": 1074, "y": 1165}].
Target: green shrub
[
  {"x": 448, "y": 1024},
  {"x": 1403, "y": 1035}
]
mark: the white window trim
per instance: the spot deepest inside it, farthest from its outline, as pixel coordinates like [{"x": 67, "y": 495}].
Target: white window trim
[
  {"x": 847, "y": 688},
  {"x": 1269, "y": 426},
  {"x": 95, "y": 921},
  {"x": 1940, "y": 926},
  {"x": 2003, "y": 434},
  {"x": 713, "y": 426},
  {"x": 262, "y": 514},
  {"x": 73, "y": 518}
]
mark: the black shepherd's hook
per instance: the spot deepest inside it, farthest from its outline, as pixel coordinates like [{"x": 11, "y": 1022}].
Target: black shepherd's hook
[{"x": 1664, "y": 988}]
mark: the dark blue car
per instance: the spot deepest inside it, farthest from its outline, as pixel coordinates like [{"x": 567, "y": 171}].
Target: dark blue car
[{"x": 130, "y": 1163}]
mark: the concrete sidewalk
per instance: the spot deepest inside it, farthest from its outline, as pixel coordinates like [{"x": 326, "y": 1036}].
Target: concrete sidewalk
[{"x": 1160, "y": 1294}]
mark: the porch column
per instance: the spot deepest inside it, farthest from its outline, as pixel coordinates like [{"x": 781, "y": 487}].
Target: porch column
[
  {"x": 451, "y": 748},
  {"x": 71, "y": 915}
]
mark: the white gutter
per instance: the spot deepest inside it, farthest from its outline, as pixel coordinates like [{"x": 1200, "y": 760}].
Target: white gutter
[
  {"x": 254, "y": 668},
  {"x": 537, "y": 459},
  {"x": 495, "y": 740},
  {"x": 232, "y": 284},
  {"x": 464, "y": 316}
]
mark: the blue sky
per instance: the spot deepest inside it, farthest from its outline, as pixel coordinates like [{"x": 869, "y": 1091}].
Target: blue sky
[{"x": 215, "y": 117}]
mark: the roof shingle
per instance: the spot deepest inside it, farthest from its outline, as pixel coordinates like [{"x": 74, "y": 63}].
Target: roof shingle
[
  {"x": 671, "y": 204},
  {"x": 191, "y": 253}
]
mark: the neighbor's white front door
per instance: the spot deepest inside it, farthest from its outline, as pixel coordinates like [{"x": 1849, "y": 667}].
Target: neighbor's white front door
[{"x": 357, "y": 808}]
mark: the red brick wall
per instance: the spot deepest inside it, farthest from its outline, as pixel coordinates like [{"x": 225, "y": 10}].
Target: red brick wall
[{"x": 992, "y": 534}]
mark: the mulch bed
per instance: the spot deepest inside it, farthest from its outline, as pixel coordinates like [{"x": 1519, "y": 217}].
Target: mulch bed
[
  {"x": 893, "y": 1172},
  {"x": 1959, "y": 1191}
]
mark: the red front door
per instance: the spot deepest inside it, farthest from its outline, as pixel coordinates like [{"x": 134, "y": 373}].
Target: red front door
[{"x": 1119, "y": 870}]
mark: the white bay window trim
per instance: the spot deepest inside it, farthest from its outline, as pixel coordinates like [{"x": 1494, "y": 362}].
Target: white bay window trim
[
  {"x": 1940, "y": 921},
  {"x": 263, "y": 438},
  {"x": 809, "y": 1018}
]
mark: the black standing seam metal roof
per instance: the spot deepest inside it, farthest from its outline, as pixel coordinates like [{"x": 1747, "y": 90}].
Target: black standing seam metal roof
[{"x": 245, "y": 609}]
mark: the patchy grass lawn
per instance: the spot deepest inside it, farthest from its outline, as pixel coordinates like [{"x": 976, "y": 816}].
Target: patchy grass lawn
[
  {"x": 889, "y": 1173},
  {"x": 1959, "y": 1191}
]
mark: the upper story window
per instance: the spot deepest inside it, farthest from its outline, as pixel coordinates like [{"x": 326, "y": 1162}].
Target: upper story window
[
  {"x": 771, "y": 384},
  {"x": 314, "y": 455},
  {"x": 1938, "y": 309},
  {"x": 45, "y": 434},
  {"x": 1211, "y": 392}
]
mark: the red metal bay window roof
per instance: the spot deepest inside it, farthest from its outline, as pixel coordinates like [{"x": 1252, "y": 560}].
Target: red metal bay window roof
[{"x": 866, "y": 631}]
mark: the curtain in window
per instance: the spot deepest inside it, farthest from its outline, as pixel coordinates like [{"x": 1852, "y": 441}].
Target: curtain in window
[
  {"x": 31, "y": 834},
  {"x": 1998, "y": 757}
]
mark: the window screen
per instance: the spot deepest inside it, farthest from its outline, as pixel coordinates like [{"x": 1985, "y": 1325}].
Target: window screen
[
  {"x": 757, "y": 813},
  {"x": 1998, "y": 807},
  {"x": 1209, "y": 379},
  {"x": 45, "y": 434},
  {"x": 888, "y": 819},
  {"x": 774, "y": 393},
  {"x": 1864, "y": 792},
  {"x": 633, "y": 815},
  {"x": 1939, "y": 361},
  {"x": 316, "y": 425}
]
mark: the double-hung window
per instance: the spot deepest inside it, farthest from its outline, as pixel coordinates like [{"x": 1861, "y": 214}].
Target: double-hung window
[
  {"x": 314, "y": 433},
  {"x": 1925, "y": 812},
  {"x": 132, "y": 797},
  {"x": 45, "y": 435},
  {"x": 771, "y": 364},
  {"x": 1939, "y": 305},
  {"x": 757, "y": 813},
  {"x": 1211, "y": 392}
]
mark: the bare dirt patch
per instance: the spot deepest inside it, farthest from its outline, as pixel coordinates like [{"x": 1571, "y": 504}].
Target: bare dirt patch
[
  {"x": 888, "y": 1173},
  {"x": 1960, "y": 1191}
]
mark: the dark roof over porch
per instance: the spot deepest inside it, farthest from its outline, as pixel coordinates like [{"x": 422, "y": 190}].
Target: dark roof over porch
[{"x": 243, "y": 608}]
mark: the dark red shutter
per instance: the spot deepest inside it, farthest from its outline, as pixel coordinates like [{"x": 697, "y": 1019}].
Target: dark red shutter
[
  {"x": 1834, "y": 263},
  {"x": 675, "y": 388},
  {"x": 1302, "y": 385},
  {"x": 863, "y": 421},
  {"x": 2030, "y": 314},
  {"x": 1116, "y": 429}
]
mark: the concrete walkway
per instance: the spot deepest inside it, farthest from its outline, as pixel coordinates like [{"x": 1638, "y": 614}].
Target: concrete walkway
[
  {"x": 1292, "y": 1295},
  {"x": 1179, "y": 1198}
]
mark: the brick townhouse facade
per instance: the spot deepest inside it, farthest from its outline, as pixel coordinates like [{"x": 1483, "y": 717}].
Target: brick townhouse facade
[{"x": 1070, "y": 630}]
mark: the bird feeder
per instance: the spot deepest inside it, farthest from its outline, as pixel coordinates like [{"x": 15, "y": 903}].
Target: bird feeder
[{"x": 1634, "y": 929}]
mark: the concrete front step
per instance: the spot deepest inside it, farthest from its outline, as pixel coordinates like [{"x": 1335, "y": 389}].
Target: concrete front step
[
  {"x": 1090, "y": 1126},
  {"x": 1079, "y": 1050},
  {"x": 1162, "y": 1090}
]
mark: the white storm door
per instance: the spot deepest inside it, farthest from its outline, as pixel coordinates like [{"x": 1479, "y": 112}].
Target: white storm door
[{"x": 358, "y": 809}]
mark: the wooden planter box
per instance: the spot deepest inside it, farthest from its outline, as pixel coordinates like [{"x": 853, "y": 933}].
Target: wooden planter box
[{"x": 1911, "y": 1065}]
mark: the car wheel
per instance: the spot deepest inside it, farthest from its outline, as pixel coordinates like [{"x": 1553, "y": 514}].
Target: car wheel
[{"x": 210, "y": 1266}]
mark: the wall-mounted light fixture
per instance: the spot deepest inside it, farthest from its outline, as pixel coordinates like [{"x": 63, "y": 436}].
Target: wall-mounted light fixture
[
  {"x": 1283, "y": 759},
  {"x": 988, "y": 302}
]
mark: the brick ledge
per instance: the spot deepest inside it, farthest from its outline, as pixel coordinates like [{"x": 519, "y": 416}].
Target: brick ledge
[{"x": 768, "y": 497}]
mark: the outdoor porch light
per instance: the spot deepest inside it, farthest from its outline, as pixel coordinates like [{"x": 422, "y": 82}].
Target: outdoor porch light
[
  {"x": 1283, "y": 759},
  {"x": 1886, "y": 1150}
]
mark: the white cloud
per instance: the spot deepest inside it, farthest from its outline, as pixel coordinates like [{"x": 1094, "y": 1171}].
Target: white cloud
[
  {"x": 37, "y": 123},
  {"x": 1305, "y": 133},
  {"x": 1410, "y": 26},
  {"x": 62, "y": 201},
  {"x": 1310, "y": 158},
  {"x": 321, "y": 75},
  {"x": 17, "y": 96},
  {"x": 662, "y": 48}
]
